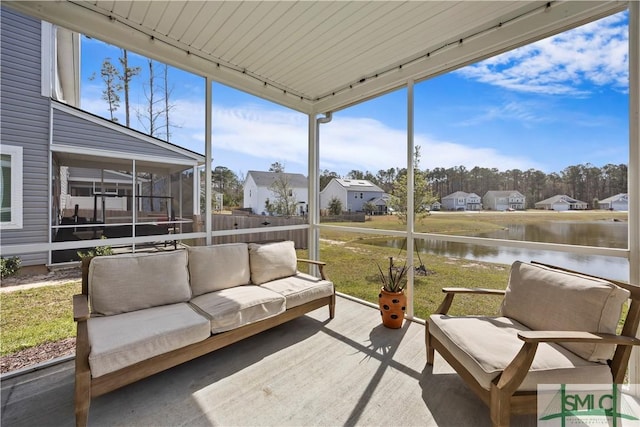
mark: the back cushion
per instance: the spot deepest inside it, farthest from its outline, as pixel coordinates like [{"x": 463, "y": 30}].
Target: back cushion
[
  {"x": 272, "y": 261},
  {"x": 123, "y": 283},
  {"x": 544, "y": 298},
  {"x": 216, "y": 267}
]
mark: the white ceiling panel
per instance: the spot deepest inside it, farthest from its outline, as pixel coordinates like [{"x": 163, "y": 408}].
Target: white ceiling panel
[{"x": 318, "y": 56}]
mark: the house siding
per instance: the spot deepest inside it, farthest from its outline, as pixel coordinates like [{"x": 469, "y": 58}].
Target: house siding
[{"x": 24, "y": 122}]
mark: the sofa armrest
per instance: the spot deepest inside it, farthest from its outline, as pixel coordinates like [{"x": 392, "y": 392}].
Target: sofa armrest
[
  {"x": 80, "y": 308},
  {"x": 320, "y": 265},
  {"x": 576, "y": 336},
  {"x": 451, "y": 292}
]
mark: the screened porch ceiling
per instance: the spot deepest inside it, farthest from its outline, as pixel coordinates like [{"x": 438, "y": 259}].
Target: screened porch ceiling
[{"x": 317, "y": 57}]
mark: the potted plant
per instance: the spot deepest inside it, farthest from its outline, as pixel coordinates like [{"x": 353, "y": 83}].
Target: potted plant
[{"x": 392, "y": 300}]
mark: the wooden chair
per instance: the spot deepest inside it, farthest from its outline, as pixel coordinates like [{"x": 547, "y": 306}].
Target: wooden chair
[{"x": 505, "y": 393}]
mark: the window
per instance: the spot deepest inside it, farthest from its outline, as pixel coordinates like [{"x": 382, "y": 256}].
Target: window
[{"x": 10, "y": 187}]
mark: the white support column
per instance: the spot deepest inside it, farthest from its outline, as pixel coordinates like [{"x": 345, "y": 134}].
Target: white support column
[
  {"x": 196, "y": 191},
  {"x": 134, "y": 202},
  {"x": 634, "y": 167},
  {"x": 313, "y": 235},
  {"x": 410, "y": 198},
  {"x": 208, "y": 159}
]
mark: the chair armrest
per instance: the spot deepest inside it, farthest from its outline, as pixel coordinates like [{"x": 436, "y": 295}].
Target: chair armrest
[
  {"x": 80, "y": 308},
  {"x": 515, "y": 372},
  {"x": 451, "y": 292},
  {"x": 320, "y": 265},
  {"x": 576, "y": 336}
]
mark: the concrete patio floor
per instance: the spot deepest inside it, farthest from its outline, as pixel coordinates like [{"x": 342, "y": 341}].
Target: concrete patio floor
[{"x": 349, "y": 371}]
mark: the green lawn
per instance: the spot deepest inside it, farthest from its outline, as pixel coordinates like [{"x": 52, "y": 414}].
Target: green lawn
[{"x": 36, "y": 316}]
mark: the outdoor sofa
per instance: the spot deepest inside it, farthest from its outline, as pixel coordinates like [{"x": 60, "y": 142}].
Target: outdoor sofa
[{"x": 143, "y": 313}]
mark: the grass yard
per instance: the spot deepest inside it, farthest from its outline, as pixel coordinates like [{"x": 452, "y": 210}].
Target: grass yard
[
  {"x": 35, "y": 316},
  {"x": 352, "y": 267}
]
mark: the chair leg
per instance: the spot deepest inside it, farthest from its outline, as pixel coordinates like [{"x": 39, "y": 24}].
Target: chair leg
[
  {"x": 82, "y": 391},
  {"x": 82, "y": 399},
  {"x": 332, "y": 307},
  {"x": 427, "y": 341}
]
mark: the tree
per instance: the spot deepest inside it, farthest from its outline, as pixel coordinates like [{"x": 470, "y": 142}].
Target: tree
[
  {"x": 422, "y": 195},
  {"x": 325, "y": 178},
  {"x": 335, "y": 206},
  {"x": 128, "y": 73},
  {"x": 369, "y": 208},
  {"x": 111, "y": 78},
  {"x": 276, "y": 167},
  {"x": 226, "y": 182},
  {"x": 284, "y": 198}
]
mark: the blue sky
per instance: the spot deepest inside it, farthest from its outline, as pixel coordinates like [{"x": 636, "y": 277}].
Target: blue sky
[{"x": 559, "y": 102}]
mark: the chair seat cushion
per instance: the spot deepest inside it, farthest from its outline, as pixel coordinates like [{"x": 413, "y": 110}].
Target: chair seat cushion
[
  {"x": 124, "y": 339},
  {"x": 235, "y": 307},
  {"x": 300, "y": 289},
  {"x": 486, "y": 345}
]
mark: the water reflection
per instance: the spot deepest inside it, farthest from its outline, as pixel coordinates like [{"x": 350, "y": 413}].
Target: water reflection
[
  {"x": 600, "y": 234},
  {"x": 597, "y": 233}
]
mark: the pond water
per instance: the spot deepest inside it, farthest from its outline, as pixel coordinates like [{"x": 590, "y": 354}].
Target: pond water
[{"x": 600, "y": 234}]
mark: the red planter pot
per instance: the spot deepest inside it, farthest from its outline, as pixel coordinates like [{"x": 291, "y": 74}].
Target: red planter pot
[{"x": 392, "y": 308}]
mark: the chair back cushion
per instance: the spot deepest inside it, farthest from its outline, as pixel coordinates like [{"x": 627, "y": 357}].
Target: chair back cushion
[
  {"x": 216, "y": 267},
  {"x": 544, "y": 298},
  {"x": 129, "y": 282},
  {"x": 272, "y": 261}
]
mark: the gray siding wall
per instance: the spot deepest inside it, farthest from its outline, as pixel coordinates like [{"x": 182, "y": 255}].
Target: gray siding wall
[
  {"x": 24, "y": 121},
  {"x": 76, "y": 131}
]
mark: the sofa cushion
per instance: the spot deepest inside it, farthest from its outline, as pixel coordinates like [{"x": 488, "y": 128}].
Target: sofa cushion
[
  {"x": 124, "y": 339},
  {"x": 216, "y": 267},
  {"x": 539, "y": 297},
  {"x": 123, "y": 283},
  {"x": 272, "y": 261},
  {"x": 234, "y": 307},
  {"x": 300, "y": 289},
  {"x": 486, "y": 345}
]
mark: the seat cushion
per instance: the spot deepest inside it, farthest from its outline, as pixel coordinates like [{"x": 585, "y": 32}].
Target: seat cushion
[
  {"x": 300, "y": 289},
  {"x": 216, "y": 267},
  {"x": 234, "y": 307},
  {"x": 544, "y": 298},
  {"x": 129, "y": 282},
  {"x": 272, "y": 261},
  {"x": 124, "y": 339},
  {"x": 486, "y": 345}
]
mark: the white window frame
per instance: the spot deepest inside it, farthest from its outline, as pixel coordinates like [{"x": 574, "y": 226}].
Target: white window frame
[{"x": 16, "y": 187}]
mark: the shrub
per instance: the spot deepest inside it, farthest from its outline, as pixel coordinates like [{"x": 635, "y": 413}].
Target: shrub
[
  {"x": 97, "y": 251},
  {"x": 9, "y": 266}
]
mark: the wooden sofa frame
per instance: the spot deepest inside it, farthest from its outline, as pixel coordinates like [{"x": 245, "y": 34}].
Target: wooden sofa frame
[
  {"x": 503, "y": 399},
  {"x": 87, "y": 387}
]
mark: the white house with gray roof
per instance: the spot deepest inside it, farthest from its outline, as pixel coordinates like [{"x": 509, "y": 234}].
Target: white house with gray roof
[
  {"x": 503, "y": 200},
  {"x": 353, "y": 194},
  {"x": 257, "y": 190},
  {"x": 619, "y": 202},
  {"x": 561, "y": 202},
  {"x": 461, "y": 201}
]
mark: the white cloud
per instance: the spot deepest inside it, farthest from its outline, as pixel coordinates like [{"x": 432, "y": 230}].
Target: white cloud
[
  {"x": 346, "y": 143},
  {"x": 594, "y": 54}
]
